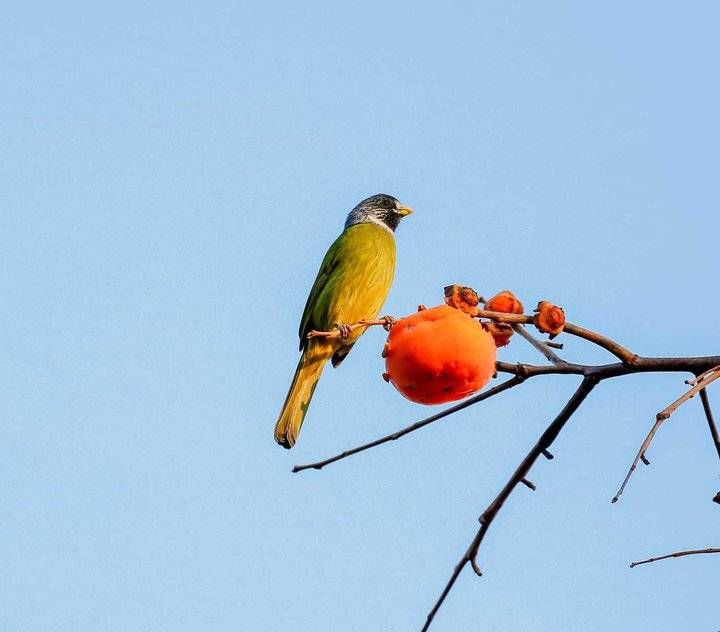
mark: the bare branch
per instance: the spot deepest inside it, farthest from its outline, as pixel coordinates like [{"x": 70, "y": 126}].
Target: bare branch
[
  {"x": 529, "y": 484},
  {"x": 630, "y": 362},
  {"x": 526, "y": 371},
  {"x": 702, "y": 376},
  {"x": 487, "y": 517},
  {"x": 624, "y": 355},
  {"x": 540, "y": 345},
  {"x": 700, "y": 383},
  {"x": 386, "y": 322},
  {"x": 677, "y": 554},
  {"x": 621, "y": 353},
  {"x": 713, "y": 429},
  {"x": 603, "y": 371},
  {"x": 514, "y": 381},
  {"x": 711, "y": 422}
]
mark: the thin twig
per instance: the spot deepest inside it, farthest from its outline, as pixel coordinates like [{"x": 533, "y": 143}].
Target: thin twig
[
  {"x": 700, "y": 377},
  {"x": 711, "y": 422},
  {"x": 700, "y": 383},
  {"x": 713, "y": 428},
  {"x": 504, "y": 317},
  {"x": 678, "y": 554},
  {"x": 540, "y": 345},
  {"x": 514, "y": 381},
  {"x": 487, "y": 517},
  {"x": 624, "y": 355},
  {"x": 337, "y": 333},
  {"x": 603, "y": 371},
  {"x": 528, "y": 483}
]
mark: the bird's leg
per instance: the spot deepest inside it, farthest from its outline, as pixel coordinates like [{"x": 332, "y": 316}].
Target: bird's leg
[
  {"x": 344, "y": 330},
  {"x": 389, "y": 322}
]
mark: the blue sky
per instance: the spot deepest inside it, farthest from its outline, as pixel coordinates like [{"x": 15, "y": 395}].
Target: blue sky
[{"x": 170, "y": 178}]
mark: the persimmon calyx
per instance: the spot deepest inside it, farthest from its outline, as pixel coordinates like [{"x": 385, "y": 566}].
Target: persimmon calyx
[
  {"x": 549, "y": 318},
  {"x": 463, "y": 298}
]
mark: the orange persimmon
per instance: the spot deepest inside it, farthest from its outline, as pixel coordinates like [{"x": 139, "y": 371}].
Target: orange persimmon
[
  {"x": 507, "y": 303},
  {"x": 438, "y": 355}
]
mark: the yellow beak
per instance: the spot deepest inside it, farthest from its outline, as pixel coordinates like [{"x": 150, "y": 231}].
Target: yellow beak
[{"x": 404, "y": 211}]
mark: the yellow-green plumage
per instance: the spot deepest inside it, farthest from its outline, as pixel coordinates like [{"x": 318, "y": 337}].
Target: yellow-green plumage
[{"x": 352, "y": 284}]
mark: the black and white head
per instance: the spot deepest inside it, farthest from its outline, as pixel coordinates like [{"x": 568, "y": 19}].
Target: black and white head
[{"x": 380, "y": 209}]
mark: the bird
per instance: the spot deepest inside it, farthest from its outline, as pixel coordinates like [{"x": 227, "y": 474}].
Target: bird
[{"x": 353, "y": 281}]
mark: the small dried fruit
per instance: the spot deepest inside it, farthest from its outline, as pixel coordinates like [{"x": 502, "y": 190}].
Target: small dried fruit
[
  {"x": 439, "y": 355},
  {"x": 501, "y": 332},
  {"x": 462, "y": 297},
  {"x": 549, "y": 319},
  {"x": 506, "y": 302}
]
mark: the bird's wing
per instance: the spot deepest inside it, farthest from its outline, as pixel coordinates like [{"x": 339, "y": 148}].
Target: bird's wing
[
  {"x": 329, "y": 264},
  {"x": 353, "y": 281}
]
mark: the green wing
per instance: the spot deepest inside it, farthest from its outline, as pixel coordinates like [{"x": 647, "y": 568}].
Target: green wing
[
  {"x": 329, "y": 264},
  {"x": 353, "y": 281}
]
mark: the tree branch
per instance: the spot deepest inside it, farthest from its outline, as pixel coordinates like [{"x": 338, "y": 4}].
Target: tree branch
[
  {"x": 692, "y": 364},
  {"x": 700, "y": 383},
  {"x": 624, "y": 355},
  {"x": 540, "y": 345},
  {"x": 526, "y": 371},
  {"x": 344, "y": 330},
  {"x": 711, "y": 422},
  {"x": 677, "y": 554},
  {"x": 488, "y": 516},
  {"x": 504, "y": 386},
  {"x": 621, "y": 353}
]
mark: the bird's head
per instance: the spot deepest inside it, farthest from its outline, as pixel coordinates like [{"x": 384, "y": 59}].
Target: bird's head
[{"x": 378, "y": 209}]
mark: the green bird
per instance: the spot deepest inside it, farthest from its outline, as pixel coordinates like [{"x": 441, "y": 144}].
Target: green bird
[{"x": 354, "y": 279}]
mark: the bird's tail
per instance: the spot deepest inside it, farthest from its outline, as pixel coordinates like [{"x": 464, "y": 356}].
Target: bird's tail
[{"x": 305, "y": 380}]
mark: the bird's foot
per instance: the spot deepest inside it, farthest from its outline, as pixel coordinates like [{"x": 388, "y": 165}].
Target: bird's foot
[
  {"x": 344, "y": 330},
  {"x": 388, "y": 323}
]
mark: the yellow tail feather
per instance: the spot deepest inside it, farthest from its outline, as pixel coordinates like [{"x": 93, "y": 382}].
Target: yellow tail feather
[{"x": 305, "y": 380}]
